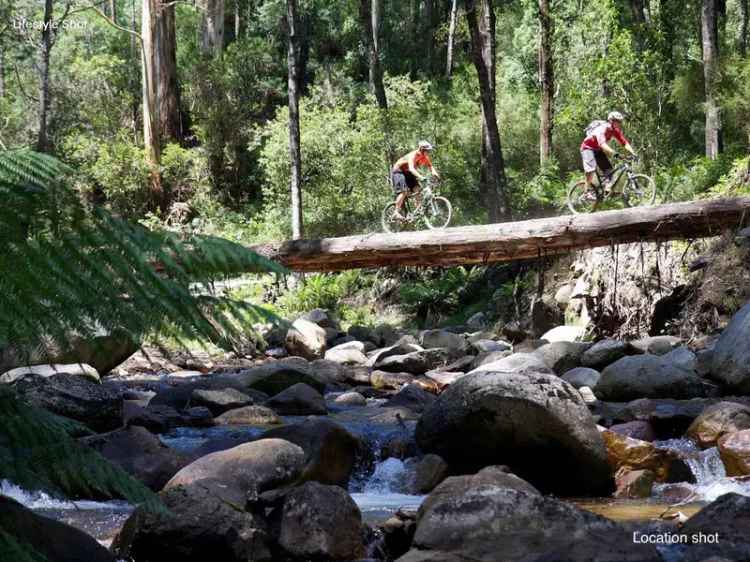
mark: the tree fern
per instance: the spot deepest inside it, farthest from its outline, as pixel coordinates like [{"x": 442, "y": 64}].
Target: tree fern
[{"x": 72, "y": 270}]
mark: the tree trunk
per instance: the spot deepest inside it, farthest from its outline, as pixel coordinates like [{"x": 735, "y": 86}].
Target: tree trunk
[
  {"x": 639, "y": 12},
  {"x": 151, "y": 137},
  {"x": 482, "y": 244},
  {"x": 212, "y": 27},
  {"x": 710, "y": 40},
  {"x": 113, "y": 10},
  {"x": 295, "y": 152},
  {"x": 744, "y": 17},
  {"x": 547, "y": 81},
  {"x": 42, "y": 140},
  {"x": 428, "y": 27},
  {"x": 414, "y": 39},
  {"x": 167, "y": 90},
  {"x": 238, "y": 5},
  {"x": 370, "y": 12},
  {"x": 2, "y": 71},
  {"x": 451, "y": 35},
  {"x": 481, "y": 22}
]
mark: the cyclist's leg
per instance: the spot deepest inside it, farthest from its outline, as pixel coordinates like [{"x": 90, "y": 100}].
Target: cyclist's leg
[
  {"x": 605, "y": 166},
  {"x": 400, "y": 188},
  {"x": 413, "y": 184},
  {"x": 589, "y": 166}
]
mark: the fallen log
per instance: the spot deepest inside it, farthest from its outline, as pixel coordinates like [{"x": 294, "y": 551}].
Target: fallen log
[{"x": 509, "y": 241}]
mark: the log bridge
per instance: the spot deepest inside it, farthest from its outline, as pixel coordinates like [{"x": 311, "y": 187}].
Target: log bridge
[{"x": 490, "y": 243}]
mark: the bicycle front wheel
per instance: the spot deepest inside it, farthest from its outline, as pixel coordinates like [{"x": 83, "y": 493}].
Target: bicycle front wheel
[
  {"x": 640, "y": 190},
  {"x": 438, "y": 213},
  {"x": 582, "y": 198}
]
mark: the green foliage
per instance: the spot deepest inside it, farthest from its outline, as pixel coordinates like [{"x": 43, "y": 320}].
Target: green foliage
[
  {"x": 37, "y": 453},
  {"x": 438, "y": 293},
  {"x": 323, "y": 290},
  {"x": 58, "y": 254}
]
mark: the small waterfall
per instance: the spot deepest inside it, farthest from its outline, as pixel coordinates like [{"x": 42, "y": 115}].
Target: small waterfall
[
  {"x": 711, "y": 480},
  {"x": 39, "y": 500},
  {"x": 386, "y": 490}
]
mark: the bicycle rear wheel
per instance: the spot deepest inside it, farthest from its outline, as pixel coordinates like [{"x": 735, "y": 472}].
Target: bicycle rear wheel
[
  {"x": 640, "y": 190},
  {"x": 438, "y": 213},
  {"x": 582, "y": 199}
]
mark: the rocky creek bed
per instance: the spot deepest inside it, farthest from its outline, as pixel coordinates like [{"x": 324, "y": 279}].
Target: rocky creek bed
[{"x": 446, "y": 445}]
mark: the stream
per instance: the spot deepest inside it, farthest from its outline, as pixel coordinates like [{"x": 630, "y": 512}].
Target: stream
[{"x": 380, "y": 487}]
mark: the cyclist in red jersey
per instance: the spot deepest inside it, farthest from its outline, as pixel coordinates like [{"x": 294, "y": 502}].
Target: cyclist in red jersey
[
  {"x": 595, "y": 150},
  {"x": 405, "y": 176}
]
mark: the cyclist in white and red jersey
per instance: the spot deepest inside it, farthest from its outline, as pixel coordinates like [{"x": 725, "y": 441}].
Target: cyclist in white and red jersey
[{"x": 595, "y": 149}]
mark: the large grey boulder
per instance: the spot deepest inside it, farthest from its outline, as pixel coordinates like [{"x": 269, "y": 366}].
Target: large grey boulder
[
  {"x": 220, "y": 401},
  {"x": 717, "y": 420},
  {"x": 561, "y": 356},
  {"x": 731, "y": 356},
  {"x": 491, "y": 520},
  {"x": 582, "y": 376},
  {"x": 416, "y": 362},
  {"x": 330, "y": 450},
  {"x": 242, "y": 473},
  {"x": 140, "y": 453},
  {"x": 455, "y": 343},
  {"x": 535, "y": 423},
  {"x": 652, "y": 376},
  {"x": 602, "y": 353},
  {"x": 55, "y": 541},
  {"x": 397, "y": 349},
  {"x": 320, "y": 522},
  {"x": 349, "y": 353},
  {"x": 197, "y": 525},
  {"x": 321, "y": 317},
  {"x": 655, "y": 345},
  {"x": 96, "y": 405},
  {"x": 249, "y": 415},
  {"x": 411, "y": 396},
  {"x": 727, "y": 520},
  {"x": 517, "y": 363},
  {"x": 298, "y": 400},
  {"x": 306, "y": 339}
]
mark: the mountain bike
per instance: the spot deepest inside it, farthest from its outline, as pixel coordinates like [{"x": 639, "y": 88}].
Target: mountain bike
[
  {"x": 633, "y": 189},
  {"x": 436, "y": 211}
]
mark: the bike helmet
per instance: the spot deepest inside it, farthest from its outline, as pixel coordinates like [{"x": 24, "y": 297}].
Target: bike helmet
[
  {"x": 424, "y": 145},
  {"x": 615, "y": 116}
]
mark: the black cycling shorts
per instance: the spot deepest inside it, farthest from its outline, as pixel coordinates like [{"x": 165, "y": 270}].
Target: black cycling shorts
[{"x": 403, "y": 181}]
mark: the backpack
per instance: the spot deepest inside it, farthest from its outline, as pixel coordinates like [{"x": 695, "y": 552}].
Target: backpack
[{"x": 593, "y": 125}]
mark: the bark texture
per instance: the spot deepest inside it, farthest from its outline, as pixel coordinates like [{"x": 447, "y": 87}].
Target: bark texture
[
  {"x": 710, "y": 40},
  {"x": 295, "y": 153},
  {"x": 512, "y": 241},
  {"x": 42, "y": 139},
  {"x": 451, "y": 38},
  {"x": 212, "y": 27},
  {"x": 371, "y": 15},
  {"x": 547, "y": 82}
]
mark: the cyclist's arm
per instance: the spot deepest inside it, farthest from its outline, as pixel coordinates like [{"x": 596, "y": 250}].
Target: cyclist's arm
[
  {"x": 413, "y": 168},
  {"x": 629, "y": 148}
]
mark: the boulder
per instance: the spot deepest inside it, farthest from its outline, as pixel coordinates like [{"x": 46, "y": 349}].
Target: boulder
[
  {"x": 351, "y": 399},
  {"x": 734, "y": 449},
  {"x": 488, "y": 346},
  {"x": 727, "y": 521},
  {"x": 632, "y": 454},
  {"x": 220, "y": 401},
  {"x": 655, "y": 345},
  {"x": 330, "y": 372},
  {"x": 383, "y": 379},
  {"x": 330, "y": 450},
  {"x": 95, "y": 405},
  {"x": 242, "y": 473},
  {"x": 427, "y": 384},
  {"x": 249, "y": 415},
  {"x": 362, "y": 333},
  {"x": 350, "y": 353},
  {"x": 717, "y": 420},
  {"x": 197, "y": 525},
  {"x": 490, "y": 521},
  {"x": 639, "y": 429},
  {"x": 43, "y": 538},
  {"x": 564, "y": 333},
  {"x": 562, "y": 356},
  {"x": 306, "y": 339},
  {"x": 634, "y": 483},
  {"x": 430, "y": 471},
  {"x": 487, "y": 479},
  {"x": 731, "y": 357},
  {"x": 530, "y": 422},
  {"x": 298, "y": 400},
  {"x": 321, "y": 317},
  {"x": 398, "y": 349},
  {"x": 77, "y": 369},
  {"x": 274, "y": 377},
  {"x": 462, "y": 364},
  {"x": 486, "y": 358},
  {"x": 411, "y": 396},
  {"x": 197, "y": 416},
  {"x": 582, "y": 376},
  {"x": 139, "y": 453},
  {"x": 477, "y": 321},
  {"x": 320, "y": 522},
  {"x": 602, "y": 353},
  {"x": 545, "y": 315},
  {"x": 516, "y": 363},
  {"x": 416, "y": 362},
  {"x": 651, "y": 376},
  {"x": 456, "y": 344},
  {"x": 443, "y": 378},
  {"x": 155, "y": 418}
]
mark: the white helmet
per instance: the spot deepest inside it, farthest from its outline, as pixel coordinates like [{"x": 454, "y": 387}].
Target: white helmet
[
  {"x": 424, "y": 145},
  {"x": 615, "y": 116}
]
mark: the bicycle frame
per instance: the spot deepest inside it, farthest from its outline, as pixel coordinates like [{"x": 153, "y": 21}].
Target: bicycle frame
[{"x": 617, "y": 173}]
